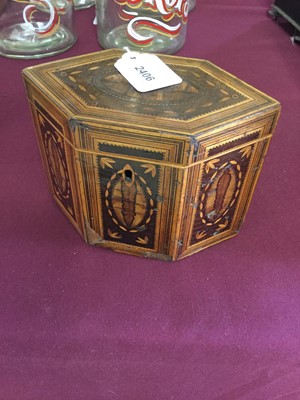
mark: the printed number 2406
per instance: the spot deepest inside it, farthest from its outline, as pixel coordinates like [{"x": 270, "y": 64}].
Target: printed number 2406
[{"x": 145, "y": 74}]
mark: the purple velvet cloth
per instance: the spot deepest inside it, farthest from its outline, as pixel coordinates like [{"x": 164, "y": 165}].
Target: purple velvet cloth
[{"x": 78, "y": 322}]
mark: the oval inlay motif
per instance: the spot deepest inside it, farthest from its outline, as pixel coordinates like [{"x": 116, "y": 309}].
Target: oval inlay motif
[
  {"x": 128, "y": 199},
  {"x": 115, "y": 85},
  {"x": 220, "y": 195},
  {"x": 56, "y": 163}
]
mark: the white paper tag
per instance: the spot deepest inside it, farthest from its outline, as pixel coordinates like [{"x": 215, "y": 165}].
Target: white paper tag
[{"x": 146, "y": 72}]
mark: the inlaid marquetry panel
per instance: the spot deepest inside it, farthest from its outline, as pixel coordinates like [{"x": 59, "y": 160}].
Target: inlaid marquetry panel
[
  {"x": 128, "y": 194},
  {"x": 99, "y": 85},
  {"x": 51, "y": 138},
  {"x": 221, "y": 185}
]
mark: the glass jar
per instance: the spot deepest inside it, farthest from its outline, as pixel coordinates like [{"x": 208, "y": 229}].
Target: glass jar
[
  {"x": 36, "y": 28},
  {"x": 192, "y": 5},
  {"x": 81, "y": 4},
  {"x": 142, "y": 25}
]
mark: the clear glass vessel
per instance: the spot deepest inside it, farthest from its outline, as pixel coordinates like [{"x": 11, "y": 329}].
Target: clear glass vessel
[
  {"x": 36, "y": 28},
  {"x": 192, "y": 4},
  {"x": 81, "y": 4},
  {"x": 142, "y": 25}
]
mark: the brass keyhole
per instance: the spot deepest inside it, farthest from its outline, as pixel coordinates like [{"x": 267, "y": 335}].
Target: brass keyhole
[{"x": 128, "y": 175}]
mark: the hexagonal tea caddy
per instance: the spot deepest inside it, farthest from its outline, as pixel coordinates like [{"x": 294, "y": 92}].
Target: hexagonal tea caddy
[{"x": 161, "y": 174}]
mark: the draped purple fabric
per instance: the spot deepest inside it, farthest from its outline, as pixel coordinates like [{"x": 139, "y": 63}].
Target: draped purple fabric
[{"x": 78, "y": 322}]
